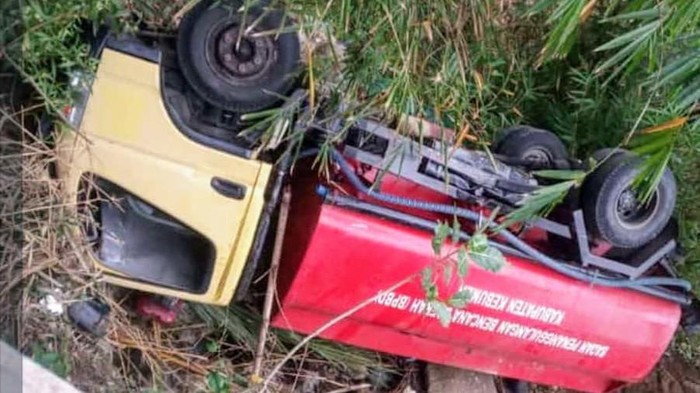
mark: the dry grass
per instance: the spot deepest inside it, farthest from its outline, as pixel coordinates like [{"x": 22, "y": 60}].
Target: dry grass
[{"x": 42, "y": 256}]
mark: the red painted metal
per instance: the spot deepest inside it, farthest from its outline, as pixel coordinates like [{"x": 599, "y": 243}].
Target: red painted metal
[{"x": 577, "y": 336}]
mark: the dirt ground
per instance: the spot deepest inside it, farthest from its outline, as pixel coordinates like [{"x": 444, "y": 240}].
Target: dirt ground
[{"x": 673, "y": 375}]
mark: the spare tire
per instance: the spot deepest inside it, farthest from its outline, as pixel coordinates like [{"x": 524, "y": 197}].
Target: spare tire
[
  {"x": 233, "y": 72},
  {"x": 611, "y": 207},
  {"x": 542, "y": 148}
]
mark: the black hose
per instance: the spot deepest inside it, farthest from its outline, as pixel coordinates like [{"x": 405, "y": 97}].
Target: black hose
[
  {"x": 403, "y": 218},
  {"x": 645, "y": 285}
]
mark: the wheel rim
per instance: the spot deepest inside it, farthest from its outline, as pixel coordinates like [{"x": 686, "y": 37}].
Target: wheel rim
[
  {"x": 538, "y": 156},
  {"x": 633, "y": 213},
  {"x": 239, "y": 59}
]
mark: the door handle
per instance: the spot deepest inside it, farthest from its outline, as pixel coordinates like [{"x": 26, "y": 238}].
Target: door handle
[{"x": 228, "y": 188}]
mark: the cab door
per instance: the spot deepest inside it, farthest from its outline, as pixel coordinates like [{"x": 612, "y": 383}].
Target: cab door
[{"x": 174, "y": 217}]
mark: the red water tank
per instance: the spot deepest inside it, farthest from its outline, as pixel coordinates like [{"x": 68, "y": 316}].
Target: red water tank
[{"x": 525, "y": 321}]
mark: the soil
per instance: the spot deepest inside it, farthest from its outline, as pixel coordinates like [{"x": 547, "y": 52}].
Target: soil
[{"x": 673, "y": 375}]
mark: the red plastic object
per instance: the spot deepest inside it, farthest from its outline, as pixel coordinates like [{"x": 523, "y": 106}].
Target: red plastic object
[
  {"x": 525, "y": 322},
  {"x": 162, "y": 310}
]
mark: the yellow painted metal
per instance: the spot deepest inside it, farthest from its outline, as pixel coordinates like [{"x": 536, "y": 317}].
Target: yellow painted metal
[{"x": 127, "y": 137}]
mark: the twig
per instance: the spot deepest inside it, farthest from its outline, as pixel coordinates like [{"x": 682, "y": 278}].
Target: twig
[
  {"x": 352, "y": 388},
  {"x": 184, "y": 10},
  {"x": 327, "y": 326},
  {"x": 192, "y": 367},
  {"x": 272, "y": 281}
]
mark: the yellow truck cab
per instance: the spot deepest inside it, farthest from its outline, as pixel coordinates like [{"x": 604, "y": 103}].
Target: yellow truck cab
[{"x": 172, "y": 200}]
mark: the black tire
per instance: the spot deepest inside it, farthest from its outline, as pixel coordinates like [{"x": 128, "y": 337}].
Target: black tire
[
  {"x": 248, "y": 79},
  {"x": 611, "y": 210},
  {"x": 608, "y": 153},
  {"x": 515, "y": 386},
  {"x": 541, "y": 147}
]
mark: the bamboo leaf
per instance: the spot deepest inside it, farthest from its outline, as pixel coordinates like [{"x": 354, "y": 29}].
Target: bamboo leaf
[
  {"x": 652, "y": 143},
  {"x": 630, "y": 36},
  {"x": 680, "y": 69},
  {"x": 652, "y": 170},
  {"x": 625, "y": 55},
  {"x": 667, "y": 125},
  {"x": 560, "y": 174},
  {"x": 541, "y": 6},
  {"x": 566, "y": 20},
  {"x": 651, "y": 13},
  {"x": 539, "y": 203},
  {"x": 690, "y": 95}
]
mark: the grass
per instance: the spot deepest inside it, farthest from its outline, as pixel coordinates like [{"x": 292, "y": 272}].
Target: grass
[{"x": 472, "y": 65}]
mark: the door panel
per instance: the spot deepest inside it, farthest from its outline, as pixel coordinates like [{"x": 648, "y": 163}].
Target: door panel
[{"x": 127, "y": 138}]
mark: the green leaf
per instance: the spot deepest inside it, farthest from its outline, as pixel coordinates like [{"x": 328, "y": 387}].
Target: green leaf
[
  {"x": 631, "y": 50},
  {"x": 478, "y": 243},
  {"x": 539, "y": 203},
  {"x": 651, "y": 13},
  {"x": 447, "y": 273},
  {"x": 462, "y": 262},
  {"x": 46, "y": 358},
  {"x": 566, "y": 21},
  {"x": 561, "y": 174},
  {"x": 426, "y": 278},
  {"x": 211, "y": 346},
  {"x": 690, "y": 95},
  {"x": 647, "y": 144},
  {"x": 456, "y": 228},
  {"x": 630, "y": 36},
  {"x": 541, "y": 6},
  {"x": 431, "y": 293},
  {"x": 442, "y": 312},
  {"x": 460, "y": 299},
  {"x": 680, "y": 69},
  {"x": 240, "y": 380},
  {"x": 491, "y": 259},
  {"x": 218, "y": 383},
  {"x": 51, "y": 360},
  {"x": 442, "y": 230}
]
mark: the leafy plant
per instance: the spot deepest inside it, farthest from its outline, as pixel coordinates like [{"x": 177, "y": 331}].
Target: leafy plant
[
  {"x": 52, "y": 360},
  {"x": 218, "y": 383},
  {"x": 477, "y": 250},
  {"x": 54, "y": 45},
  {"x": 540, "y": 202},
  {"x": 211, "y": 346},
  {"x": 652, "y": 46}
]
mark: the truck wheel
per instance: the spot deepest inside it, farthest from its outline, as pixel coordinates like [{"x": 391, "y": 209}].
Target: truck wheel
[
  {"x": 540, "y": 147},
  {"x": 240, "y": 75},
  {"x": 612, "y": 210},
  {"x": 608, "y": 153}
]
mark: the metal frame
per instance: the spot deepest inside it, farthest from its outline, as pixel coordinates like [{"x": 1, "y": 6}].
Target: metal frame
[
  {"x": 405, "y": 158},
  {"x": 589, "y": 259},
  {"x": 462, "y": 174}
]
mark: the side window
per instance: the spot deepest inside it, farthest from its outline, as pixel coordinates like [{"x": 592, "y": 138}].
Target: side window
[{"x": 131, "y": 237}]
